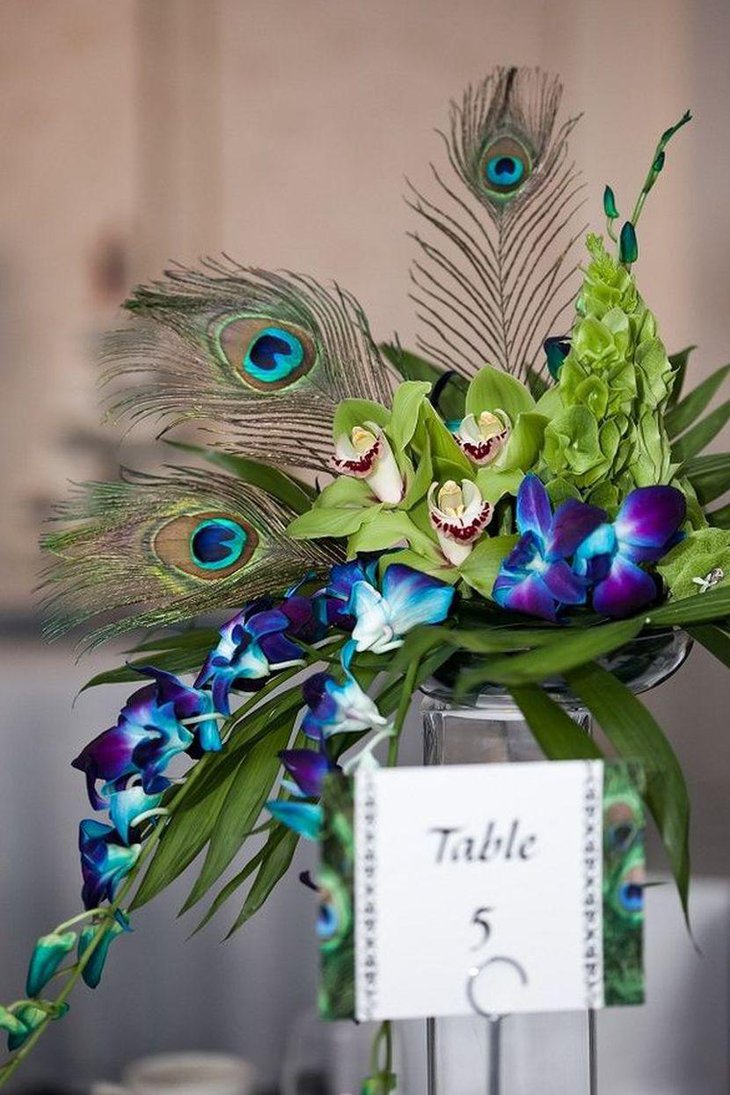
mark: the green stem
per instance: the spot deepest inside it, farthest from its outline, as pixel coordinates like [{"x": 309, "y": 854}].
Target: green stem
[{"x": 405, "y": 699}]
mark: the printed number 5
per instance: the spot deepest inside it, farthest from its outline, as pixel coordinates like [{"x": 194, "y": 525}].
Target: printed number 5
[{"x": 480, "y": 919}]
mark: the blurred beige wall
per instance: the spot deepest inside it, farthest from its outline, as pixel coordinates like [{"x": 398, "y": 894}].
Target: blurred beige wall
[{"x": 280, "y": 131}]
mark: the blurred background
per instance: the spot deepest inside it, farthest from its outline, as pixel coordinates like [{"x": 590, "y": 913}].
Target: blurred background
[{"x": 280, "y": 131}]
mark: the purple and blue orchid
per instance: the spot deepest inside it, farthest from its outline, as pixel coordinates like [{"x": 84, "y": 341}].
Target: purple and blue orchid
[
  {"x": 308, "y": 769},
  {"x": 255, "y": 643},
  {"x": 149, "y": 732},
  {"x": 406, "y": 599},
  {"x": 105, "y": 861},
  {"x": 563, "y": 558},
  {"x": 647, "y": 526}
]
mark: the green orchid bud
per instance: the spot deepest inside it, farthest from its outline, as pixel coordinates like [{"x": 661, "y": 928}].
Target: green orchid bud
[
  {"x": 49, "y": 953},
  {"x": 628, "y": 246},
  {"x": 382, "y": 1084},
  {"x": 609, "y": 204},
  {"x": 10, "y": 1023},
  {"x": 31, "y": 1017}
]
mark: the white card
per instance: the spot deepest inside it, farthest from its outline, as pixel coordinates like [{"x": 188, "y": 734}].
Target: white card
[{"x": 482, "y": 880}]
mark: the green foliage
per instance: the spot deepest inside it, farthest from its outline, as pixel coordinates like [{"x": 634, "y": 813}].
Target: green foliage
[
  {"x": 709, "y": 475},
  {"x": 287, "y": 488},
  {"x": 696, "y": 557},
  {"x": 636, "y": 736},
  {"x": 686, "y": 412},
  {"x": 701, "y": 434}
]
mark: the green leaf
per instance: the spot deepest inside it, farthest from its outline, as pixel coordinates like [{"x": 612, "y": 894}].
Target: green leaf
[
  {"x": 713, "y": 638},
  {"x": 559, "y": 737},
  {"x": 494, "y": 484},
  {"x": 443, "y": 447},
  {"x": 452, "y": 393},
  {"x": 719, "y": 518},
  {"x": 286, "y": 488},
  {"x": 635, "y": 735},
  {"x": 345, "y": 492},
  {"x": 323, "y": 522},
  {"x": 568, "y": 651},
  {"x": 356, "y": 412},
  {"x": 679, "y": 363},
  {"x": 187, "y": 659},
  {"x": 525, "y": 442},
  {"x": 236, "y": 882},
  {"x": 691, "y": 407},
  {"x": 699, "y": 436},
  {"x": 550, "y": 402},
  {"x": 481, "y": 566},
  {"x": 271, "y": 871},
  {"x": 387, "y": 530},
  {"x": 713, "y": 605},
  {"x": 492, "y": 390},
  {"x": 428, "y": 564},
  {"x": 407, "y": 403},
  {"x": 183, "y": 839},
  {"x": 709, "y": 475},
  {"x": 240, "y": 810}
]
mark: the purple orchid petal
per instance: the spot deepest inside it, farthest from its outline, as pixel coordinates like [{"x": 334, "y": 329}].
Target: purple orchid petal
[
  {"x": 572, "y": 523},
  {"x": 565, "y": 586},
  {"x": 277, "y": 649},
  {"x": 649, "y": 517},
  {"x": 305, "y": 618},
  {"x": 308, "y": 769},
  {"x": 314, "y": 688},
  {"x": 533, "y": 510},
  {"x": 626, "y": 589},
  {"x": 530, "y": 595},
  {"x": 525, "y": 551},
  {"x": 264, "y": 623}
]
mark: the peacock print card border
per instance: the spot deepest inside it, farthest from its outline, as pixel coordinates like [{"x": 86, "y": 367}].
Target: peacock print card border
[{"x": 365, "y": 837}]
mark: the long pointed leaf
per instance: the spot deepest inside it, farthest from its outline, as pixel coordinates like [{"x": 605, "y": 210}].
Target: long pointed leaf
[
  {"x": 566, "y": 652},
  {"x": 713, "y": 605},
  {"x": 236, "y": 882},
  {"x": 271, "y": 871},
  {"x": 709, "y": 475},
  {"x": 715, "y": 639},
  {"x": 689, "y": 409},
  {"x": 559, "y": 737},
  {"x": 285, "y": 487},
  {"x": 635, "y": 735},
  {"x": 719, "y": 518},
  {"x": 699, "y": 436},
  {"x": 679, "y": 362}
]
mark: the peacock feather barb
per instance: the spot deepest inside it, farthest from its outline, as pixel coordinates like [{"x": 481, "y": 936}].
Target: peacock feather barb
[
  {"x": 264, "y": 357},
  {"x": 492, "y": 289},
  {"x": 150, "y": 551}
]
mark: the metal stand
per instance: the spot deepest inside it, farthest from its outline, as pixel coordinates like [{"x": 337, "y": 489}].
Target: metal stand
[{"x": 491, "y": 729}]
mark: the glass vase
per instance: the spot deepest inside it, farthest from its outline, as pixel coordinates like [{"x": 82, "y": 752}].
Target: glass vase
[{"x": 552, "y": 1053}]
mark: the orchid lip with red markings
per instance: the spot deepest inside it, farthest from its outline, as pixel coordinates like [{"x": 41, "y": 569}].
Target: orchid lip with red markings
[
  {"x": 365, "y": 453},
  {"x": 459, "y": 515},
  {"x": 482, "y": 438}
]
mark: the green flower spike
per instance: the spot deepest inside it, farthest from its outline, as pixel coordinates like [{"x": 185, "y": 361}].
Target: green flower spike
[{"x": 49, "y": 953}]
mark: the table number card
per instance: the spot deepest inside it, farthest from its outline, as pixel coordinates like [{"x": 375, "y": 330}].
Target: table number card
[{"x": 502, "y": 887}]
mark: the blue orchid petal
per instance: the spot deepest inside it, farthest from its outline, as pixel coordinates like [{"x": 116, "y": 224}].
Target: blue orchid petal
[
  {"x": 526, "y": 551},
  {"x": 127, "y": 805},
  {"x": 104, "y": 861},
  {"x": 304, "y": 818},
  {"x": 565, "y": 586},
  {"x": 572, "y": 523},
  {"x": 650, "y": 516},
  {"x": 414, "y": 598},
  {"x": 308, "y": 769},
  {"x": 601, "y": 542},
  {"x": 532, "y": 511},
  {"x": 529, "y": 595},
  {"x": 624, "y": 591}
]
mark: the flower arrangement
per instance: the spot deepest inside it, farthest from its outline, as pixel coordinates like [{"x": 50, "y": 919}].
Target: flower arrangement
[{"x": 514, "y": 524}]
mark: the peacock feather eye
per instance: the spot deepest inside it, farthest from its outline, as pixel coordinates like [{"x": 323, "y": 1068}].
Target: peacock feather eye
[
  {"x": 506, "y": 166},
  {"x": 265, "y": 355},
  {"x": 335, "y": 911},
  {"x": 217, "y": 543},
  {"x": 206, "y": 545}
]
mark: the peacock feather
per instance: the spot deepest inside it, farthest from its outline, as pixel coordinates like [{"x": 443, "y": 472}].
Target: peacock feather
[
  {"x": 154, "y": 550},
  {"x": 264, "y": 357},
  {"x": 493, "y": 288}
]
